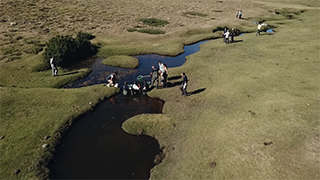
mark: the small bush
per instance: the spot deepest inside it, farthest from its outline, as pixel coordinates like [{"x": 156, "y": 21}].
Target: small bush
[
  {"x": 131, "y": 29},
  {"x": 34, "y": 50},
  {"x": 68, "y": 50},
  {"x": 153, "y": 22},
  {"x": 151, "y": 31},
  {"x": 195, "y": 14}
]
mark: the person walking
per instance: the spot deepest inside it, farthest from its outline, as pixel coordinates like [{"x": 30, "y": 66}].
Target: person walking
[
  {"x": 53, "y": 64},
  {"x": 154, "y": 76},
  {"x": 184, "y": 84}
]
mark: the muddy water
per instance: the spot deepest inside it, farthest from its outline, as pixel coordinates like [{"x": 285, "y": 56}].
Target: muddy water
[{"x": 96, "y": 147}]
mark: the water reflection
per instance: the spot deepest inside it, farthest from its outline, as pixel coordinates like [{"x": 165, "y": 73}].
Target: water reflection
[{"x": 97, "y": 148}]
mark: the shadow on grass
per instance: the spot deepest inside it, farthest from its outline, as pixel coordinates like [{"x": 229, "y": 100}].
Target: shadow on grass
[
  {"x": 174, "y": 78},
  {"x": 236, "y": 41},
  {"x": 196, "y": 91},
  {"x": 70, "y": 73}
]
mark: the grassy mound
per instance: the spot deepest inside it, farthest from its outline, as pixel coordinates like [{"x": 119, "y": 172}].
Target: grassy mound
[{"x": 122, "y": 61}]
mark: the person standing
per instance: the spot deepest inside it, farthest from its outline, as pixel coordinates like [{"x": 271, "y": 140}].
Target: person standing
[
  {"x": 259, "y": 29},
  {"x": 154, "y": 76},
  {"x": 237, "y": 14},
  {"x": 53, "y": 64},
  {"x": 226, "y": 35},
  {"x": 165, "y": 75},
  {"x": 184, "y": 84},
  {"x": 240, "y": 14},
  {"x": 232, "y": 34}
]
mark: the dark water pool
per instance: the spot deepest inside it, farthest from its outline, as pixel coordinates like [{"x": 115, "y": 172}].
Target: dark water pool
[{"x": 96, "y": 147}]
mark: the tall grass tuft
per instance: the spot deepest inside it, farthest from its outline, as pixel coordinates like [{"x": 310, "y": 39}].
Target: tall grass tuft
[{"x": 153, "y": 22}]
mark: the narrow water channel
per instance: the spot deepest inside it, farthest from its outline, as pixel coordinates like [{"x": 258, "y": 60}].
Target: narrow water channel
[{"x": 96, "y": 147}]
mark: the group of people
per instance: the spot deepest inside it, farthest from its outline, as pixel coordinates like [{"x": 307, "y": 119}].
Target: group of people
[
  {"x": 239, "y": 14},
  {"x": 228, "y": 34},
  {"x": 159, "y": 75}
]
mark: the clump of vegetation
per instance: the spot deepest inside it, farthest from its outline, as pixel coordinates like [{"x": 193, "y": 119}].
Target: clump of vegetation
[
  {"x": 148, "y": 31},
  {"x": 192, "y": 13},
  {"x": 153, "y": 22},
  {"x": 68, "y": 50},
  {"x": 151, "y": 31},
  {"x": 122, "y": 61}
]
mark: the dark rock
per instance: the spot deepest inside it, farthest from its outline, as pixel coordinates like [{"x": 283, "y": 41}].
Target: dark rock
[
  {"x": 17, "y": 171},
  {"x": 213, "y": 164},
  {"x": 267, "y": 143}
]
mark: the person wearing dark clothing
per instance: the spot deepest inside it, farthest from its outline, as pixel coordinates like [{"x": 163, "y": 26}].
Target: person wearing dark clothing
[
  {"x": 184, "y": 84},
  {"x": 232, "y": 34},
  {"x": 154, "y": 76},
  {"x": 240, "y": 14},
  {"x": 165, "y": 75},
  {"x": 125, "y": 88},
  {"x": 145, "y": 87}
]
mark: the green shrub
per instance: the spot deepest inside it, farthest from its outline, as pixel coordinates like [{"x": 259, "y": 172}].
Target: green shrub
[
  {"x": 195, "y": 14},
  {"x": 151, "y": 31},
  {"x": 68, "y": 50},
  {"x": 153, "y": 22},
  {"x": 131, "y": 29}
]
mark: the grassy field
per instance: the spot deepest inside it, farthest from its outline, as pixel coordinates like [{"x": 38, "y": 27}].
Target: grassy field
[{"x": 253, "y": 112}]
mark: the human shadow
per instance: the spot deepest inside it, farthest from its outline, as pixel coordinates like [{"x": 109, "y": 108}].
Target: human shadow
[
  {"x": 236, "y": 41},
  {"x": 70, "y": 73},
  {"x": 196, "y": 91},
  {"x": 173, "y": 84},
  {"x": 174, "y": 78}
]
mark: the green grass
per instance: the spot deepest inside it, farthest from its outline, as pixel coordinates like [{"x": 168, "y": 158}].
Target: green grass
[
  {"x": 263, "y": 89},
  {"x": 122, "y": 61},
  {"x": 153, "y": 22},
  {"x": 30, "y": 114},
  {"x": 192, "y": 13}
]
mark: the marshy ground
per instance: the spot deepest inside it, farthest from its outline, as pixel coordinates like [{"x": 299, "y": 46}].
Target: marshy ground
[{"x": 254, "y": 113}]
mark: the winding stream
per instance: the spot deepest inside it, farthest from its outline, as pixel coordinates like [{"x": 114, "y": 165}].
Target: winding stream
[{"x": 96, "y": 147}]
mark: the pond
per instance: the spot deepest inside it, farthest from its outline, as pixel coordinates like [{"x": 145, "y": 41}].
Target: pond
[{"x": 96, "y": 147}]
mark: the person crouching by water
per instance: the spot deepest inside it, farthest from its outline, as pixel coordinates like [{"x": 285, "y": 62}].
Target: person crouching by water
[
  {"x": 53, "y": 64},
  {"x": 145, "y": 88},
  {"x": 135, "y": 88},
  {"x": 112, "y": 79},
  {"x": 125, "y": 88},
  {"x": 184, "y": 84}
]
